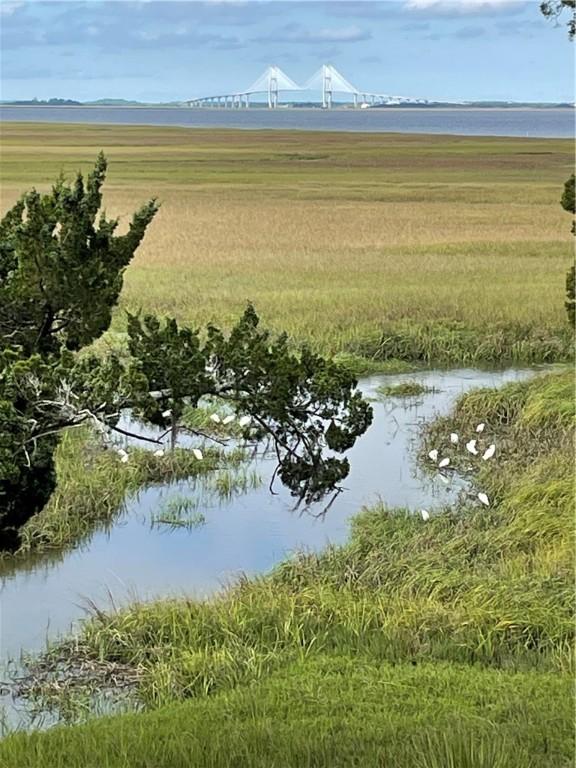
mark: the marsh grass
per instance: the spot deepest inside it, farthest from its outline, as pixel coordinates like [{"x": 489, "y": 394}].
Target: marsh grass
[
  {"x": 445, "y": 642},
  {"x": 474, "y": 605},
  {"x": 227, "y": 483},
  {"x": 93, "y": 486},
  {"x": 425, "y": 249},
  {"x": 331, "y": 711},
  {"x": 179, "y": 511},
  {"x": 405, "y": 389},
  {"x": 527, "y": 422}
]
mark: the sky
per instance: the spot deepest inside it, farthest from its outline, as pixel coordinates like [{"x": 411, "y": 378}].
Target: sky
[{"x": 170, "y": 50}]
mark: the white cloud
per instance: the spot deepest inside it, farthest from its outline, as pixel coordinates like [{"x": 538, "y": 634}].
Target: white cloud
[
  {"x": 341, "y": 35},
  {"x": 7, "y": 7},
  {"x": 297, "y": 33},
  {"x": 460, "y": 6}
]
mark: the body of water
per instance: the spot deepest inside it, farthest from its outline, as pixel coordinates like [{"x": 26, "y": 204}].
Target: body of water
[
  {"x": 250, "y": 533},
  {"x": 545, "y": 123}
]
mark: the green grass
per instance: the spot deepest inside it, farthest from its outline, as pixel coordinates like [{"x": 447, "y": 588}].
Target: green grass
[
  {"x": 93, "y": 485},
  {"x": 439, "y": 643},
  {"x": 404, "y": 389},
  {"x": 332, "y": 711},
  {"x": 179, "y": 511},
  {"x": 425, "y": 249}
]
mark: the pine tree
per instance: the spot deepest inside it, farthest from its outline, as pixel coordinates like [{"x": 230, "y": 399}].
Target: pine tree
[{"x": 61, "y": 273}]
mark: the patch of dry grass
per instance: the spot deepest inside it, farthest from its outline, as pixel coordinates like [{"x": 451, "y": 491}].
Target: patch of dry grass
[{"x": 332, "y": 236}]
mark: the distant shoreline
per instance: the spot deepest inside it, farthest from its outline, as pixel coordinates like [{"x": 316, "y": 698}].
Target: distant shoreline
[{"x": 395, "y": 108}]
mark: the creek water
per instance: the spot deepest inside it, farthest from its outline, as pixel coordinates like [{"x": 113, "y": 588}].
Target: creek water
[{"x": 45, "y": 597}]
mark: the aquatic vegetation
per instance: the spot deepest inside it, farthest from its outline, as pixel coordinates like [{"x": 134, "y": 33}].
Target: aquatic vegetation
[
  {"x": 228, "y": 483},
  {"x": 404, "y": 389},
  {"x": 93, "y": 485},
  {"x": 180, "y": 511}
]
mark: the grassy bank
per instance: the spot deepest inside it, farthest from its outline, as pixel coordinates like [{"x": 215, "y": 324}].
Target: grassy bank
[
  {"x": 93, "y": 486},
  {"x": 435, "y": 249},
  {"x": 433, "y": 643},
  {"x": 333, "y": 711}
]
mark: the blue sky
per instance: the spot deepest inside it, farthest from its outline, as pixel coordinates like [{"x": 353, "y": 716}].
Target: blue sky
[{"x": 161, "y": 50}]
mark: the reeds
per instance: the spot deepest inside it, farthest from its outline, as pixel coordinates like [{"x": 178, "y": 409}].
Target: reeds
[
  {"x": 93, "y": 486},
  {"x": 446, "y": 250}
]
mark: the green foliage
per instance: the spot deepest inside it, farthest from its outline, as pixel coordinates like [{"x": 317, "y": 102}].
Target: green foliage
[
  {"x": 61, "y": 269},
  {"x": 568, "y": 202},
  {"x": 60, "y": 276},
  {"x": 554, "y": 8},
  {"x": 303, "y": 403}
]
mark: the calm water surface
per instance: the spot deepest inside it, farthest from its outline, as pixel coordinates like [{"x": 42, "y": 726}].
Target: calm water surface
[
  {"x": 545, "y": 123},
  {"x": 248, "y": 534}
]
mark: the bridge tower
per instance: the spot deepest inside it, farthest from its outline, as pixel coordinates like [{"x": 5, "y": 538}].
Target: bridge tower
[
  {"x": 329, "y": 81},
  {"x": 273, "y": 88},
  {"x": 326, "y": 87}
]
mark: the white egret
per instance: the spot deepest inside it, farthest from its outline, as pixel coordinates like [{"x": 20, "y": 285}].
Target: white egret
[
  {"x": 471, "y": 447},
  {"x": 433, "y": 454},
  {"x": 198, "y": 453},
  {"x": 244, "y": 421},
  {"x": 215, "y": 418},
  {"x": 454, "y": 438},
  {"x": 484, "y": 499},
  {"x": 444, "y": 463},
  {"x": 489, "y": 452},
  {"x": 166, "y": 414},
  {"x": 425, "y": 514},
  {"x": 159, "y": 453},
  {"x": 228, "y": 419},
  {"x": 124, "y": 458},
  {"x": 480, "y": 427}
]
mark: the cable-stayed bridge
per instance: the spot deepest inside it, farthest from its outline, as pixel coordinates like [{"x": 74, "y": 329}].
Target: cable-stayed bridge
[{"x": 327, "y": 81}]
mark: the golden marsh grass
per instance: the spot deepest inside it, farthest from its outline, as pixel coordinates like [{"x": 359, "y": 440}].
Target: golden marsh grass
[{"x": 332, "y": 236}]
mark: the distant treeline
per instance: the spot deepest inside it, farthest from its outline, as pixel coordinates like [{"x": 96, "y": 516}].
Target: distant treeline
[{"x": 40, "y": 102}]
